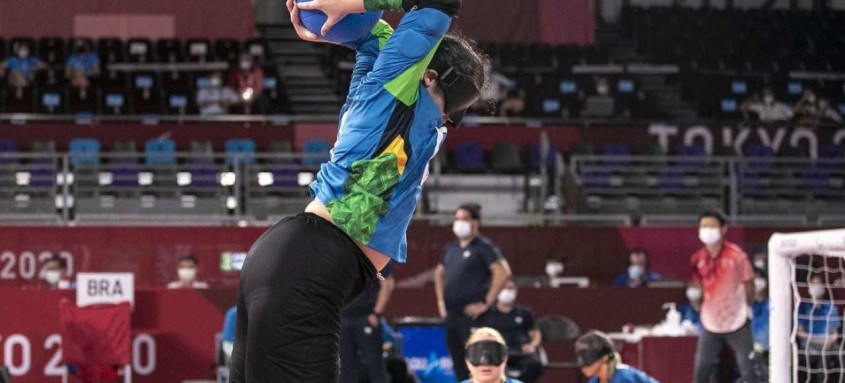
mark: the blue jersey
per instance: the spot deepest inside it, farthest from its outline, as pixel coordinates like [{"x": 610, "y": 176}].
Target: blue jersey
[
  {"x": 507, "y": 380},
  {"x": 84, "y": 62},
  {"x": 819, "y": 320},
  {"x": 24, "y": 65},
  {"x": 760, "y": 323},
  {"x": 627, "y": 374},
  {"x": 390, "y": 128}
]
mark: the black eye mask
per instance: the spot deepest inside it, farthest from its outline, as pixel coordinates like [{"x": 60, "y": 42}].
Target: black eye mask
[
  {"x": 486, "y": 353},
  {"x": 586, "y": 355},
  {"x": 459, "y": 93}
]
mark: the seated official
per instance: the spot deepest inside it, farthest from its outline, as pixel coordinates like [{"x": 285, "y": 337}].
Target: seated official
[
  {"x": 486, "y": 356},
  {"x": 186, "y": 268},
  {"x": 516, "y": 324},
  {"x": 638, "y": 273},
  {"x": 691, "y": 311}
]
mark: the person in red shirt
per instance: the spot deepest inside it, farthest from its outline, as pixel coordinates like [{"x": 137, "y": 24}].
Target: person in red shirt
[
  {"x": 247, "y": 79},
  {"x": 725, "y": 274}
]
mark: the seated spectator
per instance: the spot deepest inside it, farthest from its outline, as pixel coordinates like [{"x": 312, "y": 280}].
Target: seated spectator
[
  {"x": 186, "y": 268},
  {"x": 638, "y": 273},
  {"x": 600, "y": 103},
  {"x": 486, "y": 357},
  {"x": 516, "y": 324},
  {"x": 760, "y": 307},
  {"x": 247, "y": 80},
  {"x": 554, "y": 270},
  {"x": 514, "y": 104},
  {"x": 21, "y": 68},
  {"x": 599, "y": 361},
  {"x": 807, "y": 110},
  {"x": 55, "y": 274},
  {"x": 214, "y": 98},
  {"x": 768, "y": 109},
  {"x": 691, "y": 311},
  {"x": 819, "y": 325},
  {"x": 82, "y": 66}
]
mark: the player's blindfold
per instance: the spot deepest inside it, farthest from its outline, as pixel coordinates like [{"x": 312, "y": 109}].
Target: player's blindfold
[
  {"x": 459, "y": 92},
  {"x": 586, "y": 355},
  {"x": 486, "y": 353}
]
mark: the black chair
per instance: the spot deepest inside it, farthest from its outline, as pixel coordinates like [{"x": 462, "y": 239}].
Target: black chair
[
  {"x": 110, "y": 50},
  {"x": 199, "y": 50},
  {"x": 139, "y": 50},
  {"x": 169, "y": 50},
  {"x": 52, "y": 50},
  {"x": 227, "y": 50}
]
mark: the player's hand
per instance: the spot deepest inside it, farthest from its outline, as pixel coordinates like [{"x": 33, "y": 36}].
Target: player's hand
[
  {"x": 305, "y": 34},
  {"x": 335, "y": 10},
  {"x": 373, "y": 319},
  {"x": 473, "y": 310},
  {"x": 529, "y": 348},
  {"x": 441, "y": 309}
]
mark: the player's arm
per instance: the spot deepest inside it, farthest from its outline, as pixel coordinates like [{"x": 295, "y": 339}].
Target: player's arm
[
  {"x": 500, "y": 274},
  {"x": 439, "y": 276},
  {"x": 387, "y": 286},
  {"x": 367, "y": 51}
]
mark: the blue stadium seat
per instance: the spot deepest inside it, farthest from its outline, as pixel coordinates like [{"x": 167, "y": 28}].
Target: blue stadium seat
[
  {"x": 760, "y": 156},
  {"x": 84, "y": 151},
  {"x": 317, "y": 152},
  {"x": 240, "y": 151},
  {"x": 534, "y": 156},
  {"x": 160, "y": 152},
  {"x": 468, "y": 157},
  {"x": 10, "y": 147}
]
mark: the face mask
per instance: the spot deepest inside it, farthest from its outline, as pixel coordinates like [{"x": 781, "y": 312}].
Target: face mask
[
  {"x": 760, "y": 284},
  {"x": 245, "y": 65},
  {"x": 187, "y": 274},
  {"x": 602, "y": 90},
  {"x": 507, "y": 296},
  {"x": 817, "y": 292},
  {"x": 693, "y": 294},
  {"x": 769, "y": 99},
  {"x": 635, "y": 271},
  {"x": 554, "y": 268},
  {"x": 811, "y": 98},
  {"x": 760, "y": 264},
  {"x": 709, "y": 235},
  {"x": 215, "y": 81},
  {"x": 23, "y": 53},
  {"x": 486, "y": 353},
  {"x": 462, "y": 229},
  {"x": 52, "y": 276}
]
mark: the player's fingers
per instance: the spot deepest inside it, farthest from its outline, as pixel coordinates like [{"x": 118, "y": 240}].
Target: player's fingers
[
  {"x": 301, "y": 31},
  {"x": 311, "y": 5},
  {"x": 327, "y": 26}
]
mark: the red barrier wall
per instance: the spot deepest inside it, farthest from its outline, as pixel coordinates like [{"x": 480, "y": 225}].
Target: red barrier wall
[
  {"x": 173, "y": 330},
  {"x": 128, "y": 18},
  {"x": 151, "y": 252}
]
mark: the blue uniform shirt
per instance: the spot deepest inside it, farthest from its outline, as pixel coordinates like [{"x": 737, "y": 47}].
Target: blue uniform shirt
[
  {"x": 229, "y": 324},
  {"x": 627, "y": 374},
  {"x": 508, "y": 380},
  {"x": 24, "y": 65},
  {"x": 623, "y": 280},
  {"x": 689, "y": 313},
  {"x": 86, "y": 62},
  {"x": 820, "y": 319},
  {"x": 390, "y": 128},
  {"x": 760, "y": 323},
  {"x": 467, "y": 272}
]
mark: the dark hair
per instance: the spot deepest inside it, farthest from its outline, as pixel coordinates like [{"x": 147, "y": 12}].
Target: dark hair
[
  {"x": 59, "y": 260},
  {"x": 464, "y": 55},
  {"x": 473, "y": 209},
  {"x": 713, "y": 214},
  {"x": 639, "y": 250},
  {"x": 191, "y": 258},
  {"x": 592, "y": 346}
]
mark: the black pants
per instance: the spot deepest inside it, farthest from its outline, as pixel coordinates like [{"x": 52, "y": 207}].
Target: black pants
[
  {"x": 458, "y": 327},
  {"x": 361, "y": 351},
  {"x": 529, "y": 367},
  {"x": 710, "y": 346},
  {"x": 296, "y": 278}
]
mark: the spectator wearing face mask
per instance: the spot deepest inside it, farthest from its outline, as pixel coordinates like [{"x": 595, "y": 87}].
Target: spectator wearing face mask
[
  {"x": 82, "y": 66},
  {"x": 554, "y": 270},
  {"x": 21, "y": 67},
  {"x": 819, "y": 323},
  {"x": 767, "y": 109},
  {"x": 723, "y": 270},
  {"x": 760, "y": 260},
  {"x": 691, "y": 311},
  {"x": 599, "y": 361},
  {"x": 638, "y": 273},
  {"x": 467, "y": 281},
  {"x": 55, "y": 274},
  {"x": 808, "y": 110},
  {"x": 760, "y": 307},
  {"x": 516, "y": 324},
  {"x": 186, "y": 268},
  {"x": 213, "y": 98},
  {"x": 247, "y": 80}
]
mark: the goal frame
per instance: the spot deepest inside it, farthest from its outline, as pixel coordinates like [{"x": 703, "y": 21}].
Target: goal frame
[{"x": 782, "y": 248}]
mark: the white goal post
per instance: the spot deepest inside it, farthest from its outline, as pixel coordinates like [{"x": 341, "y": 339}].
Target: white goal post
[{"x": 782, "y": 249}]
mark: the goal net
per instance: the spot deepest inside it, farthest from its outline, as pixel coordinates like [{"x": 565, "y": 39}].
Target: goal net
[{"x": 807, "y": 296}]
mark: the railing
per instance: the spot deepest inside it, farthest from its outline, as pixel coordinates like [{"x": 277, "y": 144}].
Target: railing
[{"x": 258, "y": 189}]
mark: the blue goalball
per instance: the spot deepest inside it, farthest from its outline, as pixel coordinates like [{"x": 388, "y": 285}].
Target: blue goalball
[{"x": 351, "y": 28}]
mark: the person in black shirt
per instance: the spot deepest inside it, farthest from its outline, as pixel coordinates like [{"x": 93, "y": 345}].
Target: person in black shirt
[
  {"x": 516, "y": 324},
  {"x": 361, "y": 335},
  {"x": 469, "y": 277}
]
